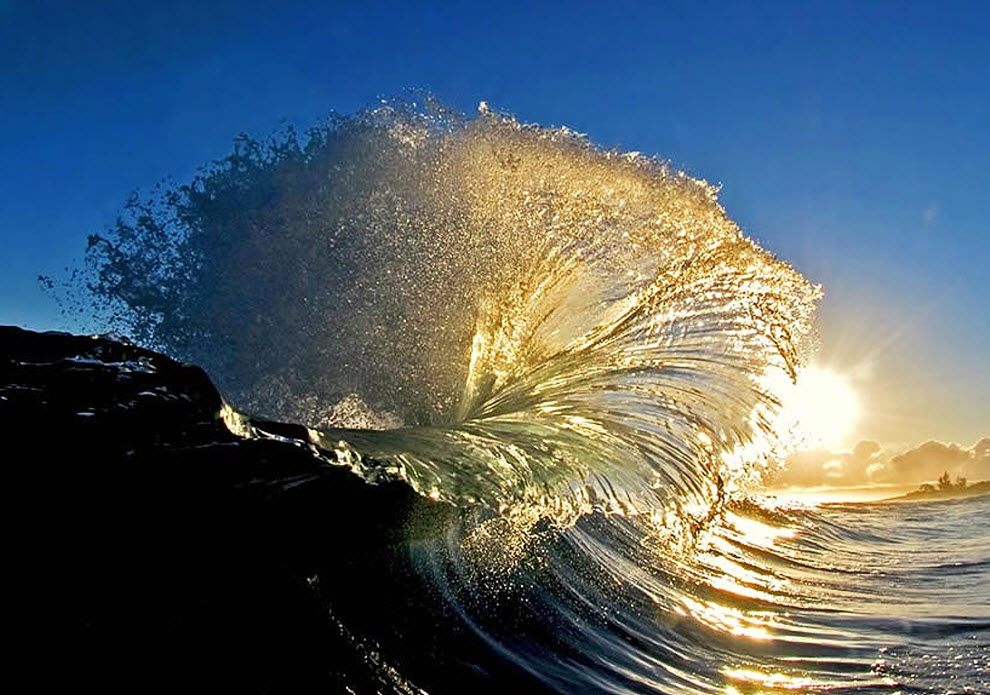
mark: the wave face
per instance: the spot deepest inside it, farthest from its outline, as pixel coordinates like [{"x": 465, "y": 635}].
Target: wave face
[
  {"x": 770, "y": 599},
  {"x": 497, "y": 313}
]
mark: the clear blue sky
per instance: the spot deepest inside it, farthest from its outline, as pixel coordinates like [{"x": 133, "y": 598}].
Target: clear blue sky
[{"x": 851, "y": 138}]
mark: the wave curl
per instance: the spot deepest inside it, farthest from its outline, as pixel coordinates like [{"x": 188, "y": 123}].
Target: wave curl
[{"x": 492, "y": 311}]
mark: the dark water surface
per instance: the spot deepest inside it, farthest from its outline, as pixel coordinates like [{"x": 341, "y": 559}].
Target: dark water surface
[{"x": 161, "y": 550}]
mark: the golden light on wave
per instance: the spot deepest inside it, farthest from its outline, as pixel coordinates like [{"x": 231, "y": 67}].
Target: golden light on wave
[
  {"x": 775, "y": 682},
  {"x": 757, "y": 682},
  {"x": 756, "y": 625},
  {"x": 821, "y": 408}
]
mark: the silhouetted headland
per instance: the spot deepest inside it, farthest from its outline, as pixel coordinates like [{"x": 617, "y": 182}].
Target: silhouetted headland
[{"x": 944, "y": 489}]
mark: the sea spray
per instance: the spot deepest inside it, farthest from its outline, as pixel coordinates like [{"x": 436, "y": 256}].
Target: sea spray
[{"x": 497, "y": 311}]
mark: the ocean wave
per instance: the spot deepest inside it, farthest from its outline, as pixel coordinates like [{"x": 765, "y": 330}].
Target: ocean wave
[
  {"x": 574, "y": 352},
  {"x": 498, "y": 312}
]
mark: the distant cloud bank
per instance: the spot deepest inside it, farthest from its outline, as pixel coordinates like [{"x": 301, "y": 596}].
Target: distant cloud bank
[{"x": 869, "y": 463}]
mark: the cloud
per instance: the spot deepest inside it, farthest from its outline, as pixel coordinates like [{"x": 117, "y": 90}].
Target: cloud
[
  {"x": 928, "y": 461},
  {"x": 869, "y": 463},
  {"x": 930, "y": 213},
  {"x": 982, "y": 448},
  {"x": 825, "y": 467}
]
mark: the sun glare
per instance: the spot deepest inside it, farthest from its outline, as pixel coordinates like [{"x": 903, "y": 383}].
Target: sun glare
[{"x": 821, "y": 408}]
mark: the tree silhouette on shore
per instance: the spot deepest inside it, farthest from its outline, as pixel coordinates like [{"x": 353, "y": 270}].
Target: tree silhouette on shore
[{"x": 945, "y": 484}]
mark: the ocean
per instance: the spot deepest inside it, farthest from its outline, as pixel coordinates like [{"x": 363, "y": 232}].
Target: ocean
[{"x": 560, "y": 361}]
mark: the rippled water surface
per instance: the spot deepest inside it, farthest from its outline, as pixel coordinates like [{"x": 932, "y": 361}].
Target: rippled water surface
[{"x": 877, "y": 598}]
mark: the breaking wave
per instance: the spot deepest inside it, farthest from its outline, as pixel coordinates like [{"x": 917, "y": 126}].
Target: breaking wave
[
  {"x": 492, "y": 311},
  {"x": 574, "y": 348}
]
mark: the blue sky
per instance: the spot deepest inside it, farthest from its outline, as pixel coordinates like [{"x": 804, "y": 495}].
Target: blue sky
[{"x": 851, "y": 139}]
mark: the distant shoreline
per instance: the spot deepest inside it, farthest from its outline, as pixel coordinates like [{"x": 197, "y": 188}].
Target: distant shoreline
[
  {"x": 855, "y": 495},
  {"x": 974, "y": 490}
]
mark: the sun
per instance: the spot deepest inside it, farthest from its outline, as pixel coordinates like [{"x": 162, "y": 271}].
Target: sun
[{"x": 820, "y": 408}]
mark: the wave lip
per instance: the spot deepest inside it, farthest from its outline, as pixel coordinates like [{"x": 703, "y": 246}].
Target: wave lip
[{"x": 499, "y": 312}]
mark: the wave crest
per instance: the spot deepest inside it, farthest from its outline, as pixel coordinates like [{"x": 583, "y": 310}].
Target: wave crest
[{"x": 532, "y": 317}]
